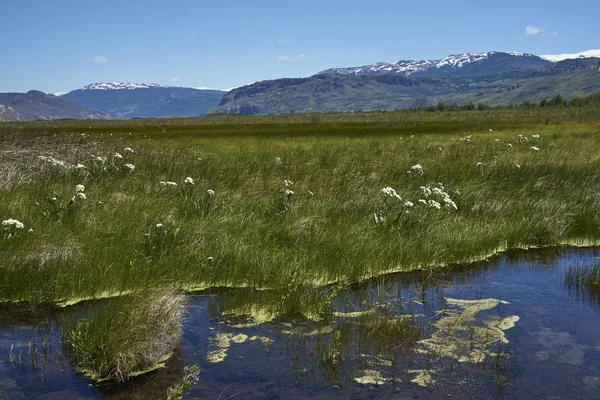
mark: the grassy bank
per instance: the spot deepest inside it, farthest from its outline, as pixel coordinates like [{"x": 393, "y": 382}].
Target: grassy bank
[{"x": 289, "y": 200}]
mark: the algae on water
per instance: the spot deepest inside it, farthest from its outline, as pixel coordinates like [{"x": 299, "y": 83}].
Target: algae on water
[{"x": 458, "y": 336}]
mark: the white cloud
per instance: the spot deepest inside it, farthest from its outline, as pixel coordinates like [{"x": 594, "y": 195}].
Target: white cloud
[
  {"x": 283, "y": 41},
  {"x": 292, "y": 58},
  {"x": 532, "y": 30},
  {"x": 175, "y": 79},
  {"x": 100, "y": 59},
  {"x": 193, "y": 35}
]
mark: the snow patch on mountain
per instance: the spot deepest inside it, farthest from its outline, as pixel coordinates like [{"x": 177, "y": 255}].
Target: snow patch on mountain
[
  {"x": 121, "y": 86},
  {"x": 561, "y": 57}
]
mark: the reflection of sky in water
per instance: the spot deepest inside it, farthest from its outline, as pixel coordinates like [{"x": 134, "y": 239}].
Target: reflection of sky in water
[{"x": 553, "y": 350}]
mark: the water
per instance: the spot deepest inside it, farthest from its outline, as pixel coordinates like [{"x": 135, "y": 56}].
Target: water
[{"x": 524, "y": 335}]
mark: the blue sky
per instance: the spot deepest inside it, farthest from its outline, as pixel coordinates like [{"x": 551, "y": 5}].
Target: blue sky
[{"x": 60, "y": 45}]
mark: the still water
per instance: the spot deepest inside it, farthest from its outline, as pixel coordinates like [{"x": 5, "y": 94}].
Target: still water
[{"x": 506, "y": 328}]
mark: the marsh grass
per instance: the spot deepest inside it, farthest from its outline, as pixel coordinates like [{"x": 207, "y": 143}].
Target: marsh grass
[
  {"x": 250, "y": 233},
  {"x": 583, "y": 281},
  {"x": 125, "y": 335}
]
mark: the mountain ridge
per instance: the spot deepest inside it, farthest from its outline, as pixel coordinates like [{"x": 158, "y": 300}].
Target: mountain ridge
[
  {"x": 348, "y": 92},
  {"x": 144, "y": 100},
  {"x": 464, "y": 64}
]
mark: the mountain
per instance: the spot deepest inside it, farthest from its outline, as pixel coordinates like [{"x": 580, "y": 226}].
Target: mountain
[
  {"x": 468, "y": 64},
  {"x": 349, "y": 92},
  {"x": 144, "y": 100},
  {"x": 35, "y": 105}
]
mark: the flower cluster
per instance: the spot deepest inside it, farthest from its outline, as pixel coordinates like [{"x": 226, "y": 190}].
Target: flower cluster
[
  {"x": 391, "y": 193},
  {"x": 10, "y": 227},
  {"x": 189, "y": 181},
  {"x": 466, "y": 139},
  {"x": 417, "y": 169},
  {"x": 57, "y": 163},
  {"x": 166, "y": 184},
  {"x": 436, "y": 196}
]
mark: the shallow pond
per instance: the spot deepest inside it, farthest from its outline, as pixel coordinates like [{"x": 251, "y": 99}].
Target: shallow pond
[{"x": 507, "y": 328}]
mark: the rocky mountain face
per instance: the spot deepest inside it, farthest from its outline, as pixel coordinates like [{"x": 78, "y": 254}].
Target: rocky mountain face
[
  {"x": 143, "y": 100},
  {"x": 348, "y": 92},
  {"x": 36, "y": 105}
]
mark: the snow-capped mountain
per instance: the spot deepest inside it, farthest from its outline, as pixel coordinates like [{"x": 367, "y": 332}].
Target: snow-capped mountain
[
  {"x": 121, "y": 86},
  {"x": 561, "y": 57},
  {"x": 144, "y": 100},
  {"x": 467, "y": 64}
]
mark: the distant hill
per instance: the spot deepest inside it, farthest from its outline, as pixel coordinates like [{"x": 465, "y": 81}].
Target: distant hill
[
  {"x": 35, "y": 105},
  {"x": 348, "y": 92},
  {"x": 143, "y": 100}
]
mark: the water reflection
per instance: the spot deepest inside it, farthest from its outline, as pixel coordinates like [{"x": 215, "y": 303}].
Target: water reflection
[{"x": 508, "y": 327}]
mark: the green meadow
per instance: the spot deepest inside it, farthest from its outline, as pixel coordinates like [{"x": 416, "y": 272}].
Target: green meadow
[{"x": 280, "y": 202}]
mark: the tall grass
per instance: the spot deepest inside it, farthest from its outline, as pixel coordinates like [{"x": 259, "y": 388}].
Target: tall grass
[
  {"x": 126, "y": 336},
  {"x": 131, "y": 232}
]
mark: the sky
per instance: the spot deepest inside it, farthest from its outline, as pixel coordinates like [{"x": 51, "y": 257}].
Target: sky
[{"x": 61, "y": 45}]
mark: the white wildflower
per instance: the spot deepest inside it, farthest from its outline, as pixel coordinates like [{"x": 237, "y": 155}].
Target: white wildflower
[
  {"x": 10, "y": 223},
  {"x": 408, "y": 204},
  {"x": 99, "y": 159},
  {"x": 496, "y": 140},
  {"x": 128, "y": 149},
  {"x": 169, "y": 183},
  {"x": 422, "y": 201},
  {"x": 491, "y": 130},
  {"x": 30, "y": 230},
  {"x": 287, "y": 182},
  {"x": 480, "y": 164},
  {"x": 391, "y": 192},
  {"x": 189, "y": 180},
  {"x": 309, "y": 192},
  {"x": 450, "y": 203},
  {"x": 417, "y": 168},
  {"x": 81, "y": 195},
  {"x": 434, "y": 204},
  {"x": 56, "y": 162},
  {"x": 518, "y": 166},
  {"x": 159, "y": 226},
  {"x": 535, "y": 136},
  {"x": 210, "y": 259},
  {"x": 129, "y": 167},
  {"x": 210, "y": 192},
  {"x": 535, "y": 148},
  {"x": 288, "y": 192},
  {"x": 79, "y": 188},
  {"x": 117, "y": 155},
  {"x": 509, "y": 146},
  {"x": 80, "y": 166},
  {"x": 278, "y": 160},
  {"x": 426, "y": 190}
]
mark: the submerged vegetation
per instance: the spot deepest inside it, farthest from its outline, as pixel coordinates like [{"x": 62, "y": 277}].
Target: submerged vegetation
[{"x": 300, "y": 205}]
